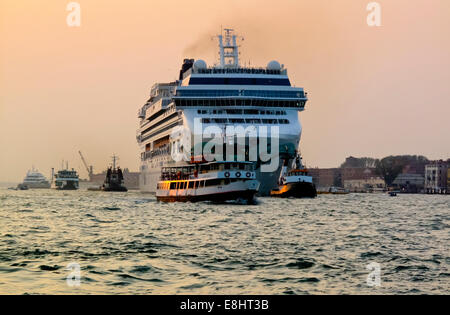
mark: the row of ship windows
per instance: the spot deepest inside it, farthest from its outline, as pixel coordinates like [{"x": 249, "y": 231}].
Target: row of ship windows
[
  {"x": 241, "y": 111},
  {"x": 239, "y": 70},
  {"x": 239, "y": 102},
  {"x": 244, "y": 121},
  {"x": 195, "y": 184},
  {"x": 255, "y": 93},
  {"x": 239, "y": 81}
]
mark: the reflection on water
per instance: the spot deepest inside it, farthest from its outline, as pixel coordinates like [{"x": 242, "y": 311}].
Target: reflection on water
[{"x": 129, "y": 243}]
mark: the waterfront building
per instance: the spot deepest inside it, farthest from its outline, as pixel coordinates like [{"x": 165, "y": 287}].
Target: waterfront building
[
  {"x": 448, "y": 180},
  {"x": 409, "y": 183},
  {"x": 436, "y": 177},
  {"x": 372, "y": 184}
]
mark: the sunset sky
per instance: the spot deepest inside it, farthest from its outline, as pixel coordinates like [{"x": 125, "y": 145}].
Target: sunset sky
[{"x": 374, "y": 91}]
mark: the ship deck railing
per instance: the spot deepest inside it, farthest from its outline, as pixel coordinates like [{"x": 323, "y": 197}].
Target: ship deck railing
[{"x": 246, "y": 70}]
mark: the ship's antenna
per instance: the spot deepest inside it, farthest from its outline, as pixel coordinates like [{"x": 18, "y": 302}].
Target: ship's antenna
[
  {"x": 228, "y": 49},
  {"x": 115, "y": 158}
]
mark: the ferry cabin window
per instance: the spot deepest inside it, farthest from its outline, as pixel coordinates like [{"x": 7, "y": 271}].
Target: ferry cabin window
[
  {"x": 173, "y": 185},
  {"x": 214, "y": 167},
  {"x": 213, "y": 182},
  {"x": 191, "y": 184}
]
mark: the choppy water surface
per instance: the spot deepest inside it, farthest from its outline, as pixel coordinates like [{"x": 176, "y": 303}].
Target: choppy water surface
[{"x": 129, "y": 243}]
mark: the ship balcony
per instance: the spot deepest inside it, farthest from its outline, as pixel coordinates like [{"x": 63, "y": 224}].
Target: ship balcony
[
  {"x": 294, "y": 93},
  {"x": 161, "y": 151}
]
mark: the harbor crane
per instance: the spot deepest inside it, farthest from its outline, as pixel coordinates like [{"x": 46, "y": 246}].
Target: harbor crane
[{"x": 89, "y": 169}]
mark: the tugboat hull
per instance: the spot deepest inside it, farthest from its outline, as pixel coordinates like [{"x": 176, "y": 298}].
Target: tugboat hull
[
  {"x": 295, "y": 190},
  {"x": 118, "y": 188}
]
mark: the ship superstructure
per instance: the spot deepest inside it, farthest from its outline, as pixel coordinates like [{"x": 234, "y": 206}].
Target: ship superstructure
[
  {"x": 35, "y": 179},
  {"x": 66, "y": 179},
  {"x": 226, "y": 94}
]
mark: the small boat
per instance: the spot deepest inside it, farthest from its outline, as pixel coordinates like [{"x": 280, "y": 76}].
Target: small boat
[
  {"x": 94, "y": 188},
  {"x": 22, "y": 187},
  {"x": 66, "y": 180},
  {"x": 393, "y": 193},
  {"x": 334, "y": 191},
  {"x": 295, "y": 183},
  {"x": 114, "y": 178},
  {"x": 215, "y": 181}
]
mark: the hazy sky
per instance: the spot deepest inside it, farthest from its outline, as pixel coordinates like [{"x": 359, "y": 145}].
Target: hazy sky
[{"x": 373, "y": 91}]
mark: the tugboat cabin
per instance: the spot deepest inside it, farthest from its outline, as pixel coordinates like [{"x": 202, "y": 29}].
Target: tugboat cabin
[{"x": 297, "y": 175}]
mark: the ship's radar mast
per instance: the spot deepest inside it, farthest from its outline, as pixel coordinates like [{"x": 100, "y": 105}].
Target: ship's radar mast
[
  {"x": 115, "y": 158},
  {"x": 229, "y": 52}
]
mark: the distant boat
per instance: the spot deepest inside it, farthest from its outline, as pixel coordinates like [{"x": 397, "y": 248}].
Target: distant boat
[
  {"x": 22, "y": 187},
  {"x": 114, "y": 178},
  {"x": 94, "y": 188},
  {"x": 295, "y": 183},
  {"x": 66, "y": 180},
  {"x": 393, "y": 193},
  {"x": 35, "y": 180},
  {"x": 334, "y": 191}
]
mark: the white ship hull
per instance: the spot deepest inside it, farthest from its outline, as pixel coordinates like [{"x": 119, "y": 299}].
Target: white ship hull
[
  {"x": 35, "y": 180},
  {"x": 34, "y": 185}
]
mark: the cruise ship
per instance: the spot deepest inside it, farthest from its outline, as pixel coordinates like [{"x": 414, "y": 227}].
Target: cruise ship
[{"x": 223, "y": 95}]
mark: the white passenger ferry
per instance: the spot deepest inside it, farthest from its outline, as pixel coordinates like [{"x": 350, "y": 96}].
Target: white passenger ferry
[
  {"x": 216, "y": 181},
  {"x": 67, "y": 180},
  {"x": 226, "y": 94}
]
